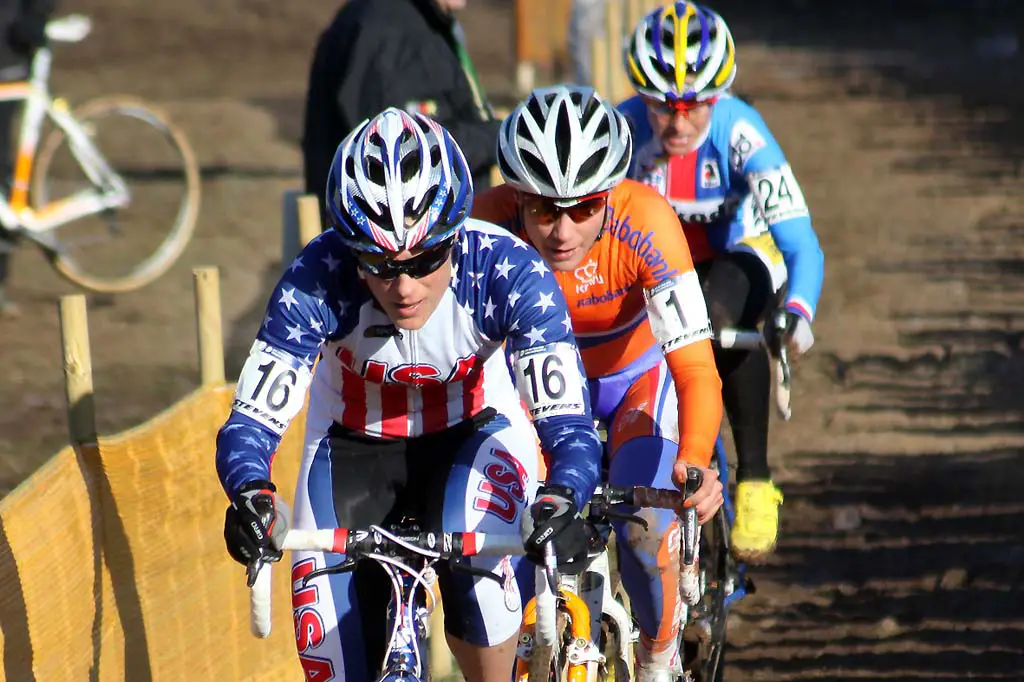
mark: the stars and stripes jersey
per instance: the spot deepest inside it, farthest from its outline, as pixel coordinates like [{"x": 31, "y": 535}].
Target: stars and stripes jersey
[
  {"x": 735, "y": 187},
  {"x": 394, "y": 383},
  {"x": 636, "y": 292}
]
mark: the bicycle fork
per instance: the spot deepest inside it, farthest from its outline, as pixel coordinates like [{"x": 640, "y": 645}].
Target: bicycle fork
[
  {"x": 534, "y": 659},
  {"x": 584, "y": 599}
]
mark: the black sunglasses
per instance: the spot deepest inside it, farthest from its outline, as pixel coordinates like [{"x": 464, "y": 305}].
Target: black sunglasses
[{"x": 386, "y": 267}]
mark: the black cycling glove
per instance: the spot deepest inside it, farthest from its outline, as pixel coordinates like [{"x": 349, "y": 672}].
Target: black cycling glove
[
  {"x": 255, "y": 516},
  {"x": 554, "y": 518}
]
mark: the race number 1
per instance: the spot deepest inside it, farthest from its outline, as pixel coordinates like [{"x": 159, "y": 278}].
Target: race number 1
[
  {"x": 272, "y": 387},
  {"x": 550, "y": 380},
  {"x": 677, "y": 311}
]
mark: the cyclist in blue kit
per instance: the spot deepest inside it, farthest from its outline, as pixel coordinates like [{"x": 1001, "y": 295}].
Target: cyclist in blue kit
[{"x": 745, "y": 218}]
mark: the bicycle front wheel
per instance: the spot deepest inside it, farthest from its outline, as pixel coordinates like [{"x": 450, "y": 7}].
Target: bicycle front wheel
[{"x": 124, "y": 248}]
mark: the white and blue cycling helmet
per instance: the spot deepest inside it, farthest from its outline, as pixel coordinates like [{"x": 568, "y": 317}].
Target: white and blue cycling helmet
[{"x": 398, "y": 182}]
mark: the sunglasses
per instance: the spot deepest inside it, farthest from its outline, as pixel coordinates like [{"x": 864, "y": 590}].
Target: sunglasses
[
  {"x": 546, "y": 211},
  {"x": 676, "y": 107},
  {"x": 386, "y": 267}
]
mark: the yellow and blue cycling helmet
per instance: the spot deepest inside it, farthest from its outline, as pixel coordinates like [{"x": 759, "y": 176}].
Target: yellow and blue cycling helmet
[{"x": 681, "y": 52}]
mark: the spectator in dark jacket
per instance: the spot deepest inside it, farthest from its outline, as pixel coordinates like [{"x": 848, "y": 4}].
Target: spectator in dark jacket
[
  {"x": 403, "y": 53},
  {"x": 22, "y": 32}
]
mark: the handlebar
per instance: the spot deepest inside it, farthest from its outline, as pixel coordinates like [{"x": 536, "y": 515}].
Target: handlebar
[
  {"x": 750, "y": 339},
  {"x": 375, "y": 543},
  {"x": 392, "y": 545}
]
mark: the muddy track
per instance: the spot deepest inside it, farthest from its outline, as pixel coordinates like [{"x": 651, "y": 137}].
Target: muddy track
[{"x": 902, "y": 548}]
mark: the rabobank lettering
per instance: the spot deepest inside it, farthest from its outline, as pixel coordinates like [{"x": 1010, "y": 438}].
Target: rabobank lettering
[
  {"x": 641, "y": 243},
  {"x": 594, "y": 299}
]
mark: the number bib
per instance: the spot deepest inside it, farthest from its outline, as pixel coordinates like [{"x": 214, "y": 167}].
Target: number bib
[
  {"x": 777, "y": 195},
  {"x": 677, "y": 311},
  {"x": 550, "y": 380},
  {"x": 271, "y": 387}
]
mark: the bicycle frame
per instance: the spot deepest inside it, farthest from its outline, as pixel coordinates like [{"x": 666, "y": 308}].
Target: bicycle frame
[
  {"x": 722, "y": 463},
  {"x": 405, "y": 659},
  {"x": 109, "y": 191}
]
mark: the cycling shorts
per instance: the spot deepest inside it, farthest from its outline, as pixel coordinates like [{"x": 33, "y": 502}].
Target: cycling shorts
[{"x": 476, "y": 476}]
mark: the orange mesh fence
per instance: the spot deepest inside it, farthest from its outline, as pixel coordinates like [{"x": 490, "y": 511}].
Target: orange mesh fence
[{"x": 112, "y": 561}]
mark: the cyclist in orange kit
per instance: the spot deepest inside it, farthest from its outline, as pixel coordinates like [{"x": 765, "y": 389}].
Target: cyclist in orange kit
[{"x": 615, "y": 248}]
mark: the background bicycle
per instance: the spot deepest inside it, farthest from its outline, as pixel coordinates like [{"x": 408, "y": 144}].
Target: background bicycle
[
  {"x": 594, "y": 635},
  {"x": 87, "y": 195},
  {"x": 724, "y": 581}
]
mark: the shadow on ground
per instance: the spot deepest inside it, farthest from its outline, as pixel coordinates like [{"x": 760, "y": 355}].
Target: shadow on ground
[
  {"x": 959, "y": 370},
  {"x": 895, "y": 568}
]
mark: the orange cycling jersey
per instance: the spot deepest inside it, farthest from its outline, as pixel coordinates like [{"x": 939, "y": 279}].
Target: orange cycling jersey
[{"x": 638, "y": 271}]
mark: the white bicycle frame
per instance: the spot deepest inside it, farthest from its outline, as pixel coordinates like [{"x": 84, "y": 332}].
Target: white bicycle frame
[
  {"x": 594, "y": 588},
  {"x": 109, "y": 189}
]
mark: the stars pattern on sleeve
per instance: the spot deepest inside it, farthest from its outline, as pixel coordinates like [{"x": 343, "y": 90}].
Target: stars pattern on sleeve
[
  {"x": 307, "y": 306},
  {"x": 505, "y": 285}
]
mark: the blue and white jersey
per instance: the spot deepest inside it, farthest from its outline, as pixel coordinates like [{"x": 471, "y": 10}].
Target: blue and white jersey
[
  {"x": 395, "y": 383},
  {"x": 731, "y": 190}
]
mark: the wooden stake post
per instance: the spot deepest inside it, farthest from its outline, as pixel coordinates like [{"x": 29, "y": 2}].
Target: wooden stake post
[
  {"x": 74, "y": 332},
  {"x": 206, "y": 282},
  {"x": 309, "y": 219}
]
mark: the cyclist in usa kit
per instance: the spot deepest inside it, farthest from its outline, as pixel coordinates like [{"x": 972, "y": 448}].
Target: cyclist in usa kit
[
  {"x": 412, "y": 410},
  {"x": 712, "y": 156},
  {"x": 615, "y": 249}
]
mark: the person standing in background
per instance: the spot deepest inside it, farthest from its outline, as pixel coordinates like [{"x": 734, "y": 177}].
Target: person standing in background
[
  {"x": 586, "y": 20},
  {"x": 408, "y": 54},
  {"x": 22, "y": 32}
]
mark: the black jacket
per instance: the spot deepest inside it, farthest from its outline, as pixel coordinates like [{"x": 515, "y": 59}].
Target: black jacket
[
  {"x": 381, "y": 53},
  {"x": 22, "y": 30}
]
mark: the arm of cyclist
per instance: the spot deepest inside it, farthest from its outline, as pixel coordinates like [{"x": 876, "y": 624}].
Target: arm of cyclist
[
  {"x": 679, "y": 320},
  {"x": 270, "y": 391},
  {"x": 549, "y": 375},
  {"x": 778, "y": 199},
  {"x": 409, "y": 71}
]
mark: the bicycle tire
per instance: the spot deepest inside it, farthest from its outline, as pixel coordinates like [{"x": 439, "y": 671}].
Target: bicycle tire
[
  {"x": 703, "y": 647},
  {"x": 613, "y": 669},
  {"x": 175, "y": 241}
]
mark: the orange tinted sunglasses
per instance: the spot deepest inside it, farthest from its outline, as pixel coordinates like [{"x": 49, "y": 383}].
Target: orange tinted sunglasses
[{"x": 546, "y": 210}]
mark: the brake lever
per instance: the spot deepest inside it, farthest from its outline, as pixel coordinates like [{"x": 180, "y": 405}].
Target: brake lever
[
  {"x": 252, "y": 570},
  {"x": 631, "y": 518},
  {"x": 551, "y": 567},
  {"x": 472, "y": 570},
  {"x": 694, "y": 479},
  {"x": 343, "y": 567}
]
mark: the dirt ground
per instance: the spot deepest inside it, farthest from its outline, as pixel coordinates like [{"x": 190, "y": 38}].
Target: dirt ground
[{"x": 901, "y": 555}]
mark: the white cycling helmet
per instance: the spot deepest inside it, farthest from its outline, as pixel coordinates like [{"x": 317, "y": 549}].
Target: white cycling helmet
[
  {"x": 398, "y": 181},
  {"x": 681, "y": 52},
  {"x": 564, "y": 142}
]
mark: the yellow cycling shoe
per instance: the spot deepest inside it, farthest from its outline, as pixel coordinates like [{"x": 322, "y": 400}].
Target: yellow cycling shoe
[{"x": 756, "y": 530}]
